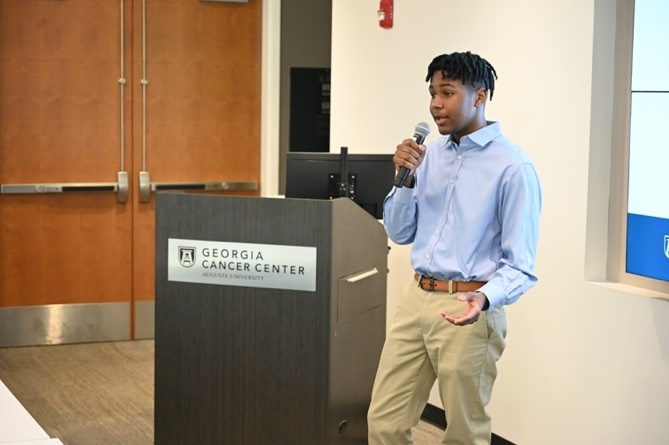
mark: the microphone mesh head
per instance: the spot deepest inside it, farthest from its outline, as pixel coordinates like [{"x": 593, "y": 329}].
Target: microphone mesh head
[{"x": 422, "y": 129}]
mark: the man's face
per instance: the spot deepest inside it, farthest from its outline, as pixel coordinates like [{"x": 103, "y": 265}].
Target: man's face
[{"x": 452, "y": 105}]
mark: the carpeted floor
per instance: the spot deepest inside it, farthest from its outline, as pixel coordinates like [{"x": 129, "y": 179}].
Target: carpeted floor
[{"x": 97, "y": 393}]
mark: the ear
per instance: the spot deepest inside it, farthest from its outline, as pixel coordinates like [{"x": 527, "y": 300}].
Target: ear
[{"x": 480, "y": 97}]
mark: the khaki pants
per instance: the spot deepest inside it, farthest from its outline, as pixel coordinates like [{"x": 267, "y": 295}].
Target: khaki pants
[{"x": 421, "y": 347}]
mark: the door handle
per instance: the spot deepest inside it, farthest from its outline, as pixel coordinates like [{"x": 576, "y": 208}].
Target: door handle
[
  {"x": 146, "y": 186},
  {"x": 120, "y": 187}
]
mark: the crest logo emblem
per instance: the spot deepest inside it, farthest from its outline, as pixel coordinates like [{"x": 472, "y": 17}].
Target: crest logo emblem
[
  {"x": 187, "y": 256},
  {"x": 666, "y": 246}
]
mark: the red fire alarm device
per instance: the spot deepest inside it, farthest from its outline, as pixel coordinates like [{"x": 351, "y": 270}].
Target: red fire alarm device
[{"x": 386, "y": 13}]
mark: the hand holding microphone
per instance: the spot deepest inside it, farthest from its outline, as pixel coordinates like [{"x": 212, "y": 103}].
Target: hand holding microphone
[{"x": 406, "y": 151}]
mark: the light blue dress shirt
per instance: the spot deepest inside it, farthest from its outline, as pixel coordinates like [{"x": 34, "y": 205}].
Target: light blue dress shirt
[{"x": 473, "y": 214}]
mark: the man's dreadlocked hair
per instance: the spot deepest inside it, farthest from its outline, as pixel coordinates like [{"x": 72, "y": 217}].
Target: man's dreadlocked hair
[{"x": 470, "y": 68}]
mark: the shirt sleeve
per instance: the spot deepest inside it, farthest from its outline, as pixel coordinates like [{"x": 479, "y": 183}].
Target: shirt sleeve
[
  {"x": 399, "y": 215},
  {"x": 519, "y": 211}
]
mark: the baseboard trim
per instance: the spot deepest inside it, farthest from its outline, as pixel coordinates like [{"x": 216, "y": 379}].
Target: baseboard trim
[
  {"x": 436, "y": 417},
  {"x": 64, "y": 323},
  {"x": 145, "y": 319}
]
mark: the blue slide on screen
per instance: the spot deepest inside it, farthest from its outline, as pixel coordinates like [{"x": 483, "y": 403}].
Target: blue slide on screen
[{"x": 648, "y": 246}]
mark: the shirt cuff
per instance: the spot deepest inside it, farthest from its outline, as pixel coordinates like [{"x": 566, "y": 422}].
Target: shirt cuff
[{"x": 494, "y": 294}]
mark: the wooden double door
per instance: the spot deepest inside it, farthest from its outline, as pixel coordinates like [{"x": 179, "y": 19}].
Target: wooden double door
[{"x": 102, "y": 104}]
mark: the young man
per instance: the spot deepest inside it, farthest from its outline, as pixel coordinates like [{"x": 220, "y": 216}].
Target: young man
[{"x": 470, "y": 206}]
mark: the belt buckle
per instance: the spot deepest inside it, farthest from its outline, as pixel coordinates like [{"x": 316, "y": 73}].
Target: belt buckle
[{"x": 426, "y": 283}]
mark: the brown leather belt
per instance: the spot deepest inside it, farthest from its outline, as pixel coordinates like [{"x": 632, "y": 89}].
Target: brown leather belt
[{"x": 450, "y": 286}]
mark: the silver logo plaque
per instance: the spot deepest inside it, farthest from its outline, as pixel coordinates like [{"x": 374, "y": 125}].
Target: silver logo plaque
[{"x": 242, "y": 264}]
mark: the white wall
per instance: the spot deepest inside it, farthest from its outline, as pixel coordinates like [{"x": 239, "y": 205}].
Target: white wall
[{"x": 585, "y": 363}]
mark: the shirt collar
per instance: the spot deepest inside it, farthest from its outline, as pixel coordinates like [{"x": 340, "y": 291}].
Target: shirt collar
[{"x": 480, "y": 137}]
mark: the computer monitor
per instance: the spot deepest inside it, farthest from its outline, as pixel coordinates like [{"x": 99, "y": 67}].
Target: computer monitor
[{"x": 318, "y": 176}]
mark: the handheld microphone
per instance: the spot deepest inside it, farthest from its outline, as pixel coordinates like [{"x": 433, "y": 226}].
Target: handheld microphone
[{"x": 420, "y": 133}]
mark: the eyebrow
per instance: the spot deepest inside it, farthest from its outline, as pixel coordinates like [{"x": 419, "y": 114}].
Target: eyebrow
[{"x": 441, "y": 85}]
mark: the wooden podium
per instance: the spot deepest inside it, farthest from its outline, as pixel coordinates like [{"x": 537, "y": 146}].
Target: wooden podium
[{"x": 270, "y": 319}]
